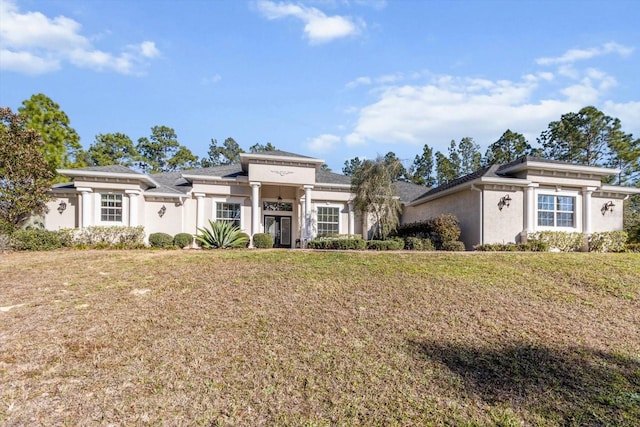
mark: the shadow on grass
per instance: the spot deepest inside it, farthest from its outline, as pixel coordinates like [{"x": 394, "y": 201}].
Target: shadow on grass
[{"x": 572, "y": 386}]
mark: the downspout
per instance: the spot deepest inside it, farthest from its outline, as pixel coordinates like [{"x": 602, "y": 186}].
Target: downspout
[{"x": 481, "y": 228}]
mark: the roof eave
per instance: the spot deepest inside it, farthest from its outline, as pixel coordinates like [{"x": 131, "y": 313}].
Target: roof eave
[
  {"x": 75, "y": 173},
  {"x": 566, "y": 167}
]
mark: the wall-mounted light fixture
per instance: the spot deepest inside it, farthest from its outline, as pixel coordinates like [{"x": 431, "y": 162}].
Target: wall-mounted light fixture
[
  {"x": 504, "y": 201},
  {"x": 607, "y": 207},
  {"x": 162, "y": 210},
  {"x": 61, "y": 207}
]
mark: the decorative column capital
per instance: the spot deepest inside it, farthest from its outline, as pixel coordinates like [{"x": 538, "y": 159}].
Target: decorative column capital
[
  {"x": 255, "y": 184},
  {"x": 132, "y": 193},
  {"x": 84, "y": 190},
  {"x": 199, "y": 195}
]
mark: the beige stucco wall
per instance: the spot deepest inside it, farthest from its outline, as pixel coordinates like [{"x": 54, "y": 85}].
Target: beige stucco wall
[
  {"x": 464, "y": 204},
  {"x": 54, "y": 220},
  {"x": 282, "y": 174},
  {"x": 610, "y": 221},
  {"x": 170, "y": 222},
  {"x": 503, "y": 226}
]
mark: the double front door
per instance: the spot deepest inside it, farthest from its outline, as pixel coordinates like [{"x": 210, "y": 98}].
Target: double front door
[{"x": 280, "y": 229}]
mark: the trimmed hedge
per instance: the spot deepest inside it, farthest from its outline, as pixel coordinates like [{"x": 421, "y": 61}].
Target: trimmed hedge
[
  {"x": 160, "y": 240},
  {"x": 633, "y": 247},
  {"x": 35, "y": 240},
  {"x": 263, "y": 241},
  {"x": 182, "y": 240},
  {"x": 385, "y": 245},
  {"x": 610, "y": 241},
  {"x": 453, "y": 246},
  {"x": 559, "y": 240},
  {"x": 338, "y": 244},
  {"x": 509, "y": 247}
]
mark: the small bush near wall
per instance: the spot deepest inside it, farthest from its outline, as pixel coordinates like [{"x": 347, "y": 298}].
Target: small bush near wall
[
  {"x": 455, "y": 246},
  {"x": 35, "y": 240},
  {"x": 611, "y": 241},
  {"x": 160, "y": 240},
  {"x": 633, "y": 247},
  {"x": 5, "y": 242},
  {"x": 263, "y": 240},
  {"x": 440, "y": 229},
  {"x": 385, "y": 245},
  {"x": 108, "y": 237},
  {"x": 182, "y": 240},
  {"x": 248, "y": 239},
  {"x": 509, "y": 247},
  {"x": 418, "y": 244},
  {"x": 338, "y": 244},
  {"x": 559, "y": 240}
]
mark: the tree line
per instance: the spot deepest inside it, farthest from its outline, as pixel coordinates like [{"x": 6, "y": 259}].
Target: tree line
[
  {"x": 588, "y": 137},
  {"x": 158, "y": 152}
]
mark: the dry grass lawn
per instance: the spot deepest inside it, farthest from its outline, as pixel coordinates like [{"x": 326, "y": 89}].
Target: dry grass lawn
[{"x": 309, "y": 338}]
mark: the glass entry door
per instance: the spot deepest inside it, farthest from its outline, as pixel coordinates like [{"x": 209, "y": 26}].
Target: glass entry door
[{"x": 280, "y": 229}]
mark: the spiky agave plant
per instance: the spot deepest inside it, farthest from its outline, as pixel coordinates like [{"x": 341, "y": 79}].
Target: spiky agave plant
[{"x": 221, "y": 235}]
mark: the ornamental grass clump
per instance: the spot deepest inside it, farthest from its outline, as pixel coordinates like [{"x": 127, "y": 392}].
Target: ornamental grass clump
[{"x": 221, "y": 235}]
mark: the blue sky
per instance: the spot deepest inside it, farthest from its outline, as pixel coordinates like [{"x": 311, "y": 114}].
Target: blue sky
[{"x": 333, "y": 79}]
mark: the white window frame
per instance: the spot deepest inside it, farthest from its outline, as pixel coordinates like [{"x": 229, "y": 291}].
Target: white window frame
[
  {"x": 98, "y": 209},
  {"x": 230, "y": 200},
  {"x": 555, "y": 194},
  {"x": 329, "y": 205}
]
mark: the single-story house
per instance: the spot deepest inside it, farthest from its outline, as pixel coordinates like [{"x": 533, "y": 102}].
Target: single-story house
[{"x": 291, "y": 197}]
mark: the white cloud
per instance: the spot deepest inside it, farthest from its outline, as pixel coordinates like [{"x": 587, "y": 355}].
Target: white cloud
[
  {"x": 324, "y": 143},
  {"x": 574, "y": 55},
  {"x": 318, "y": 27},
  {"x": 445, "y": 107},
  {"x": 212, "y": 79},
  {"x": 33, "y": 43}
]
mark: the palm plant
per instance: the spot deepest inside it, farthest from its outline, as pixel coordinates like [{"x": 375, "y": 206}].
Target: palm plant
[{"x": 221, "y": 235}]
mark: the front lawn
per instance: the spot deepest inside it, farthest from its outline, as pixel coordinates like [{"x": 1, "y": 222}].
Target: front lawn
[{"x": 292, "y": 337}]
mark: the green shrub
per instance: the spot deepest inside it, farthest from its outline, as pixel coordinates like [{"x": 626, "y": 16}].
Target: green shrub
[
  {"x": 182, "y": 240},
  {"x": 263, "y": 241},
  {"x": 221, "y": 235},
  {"x": 533, "y": 246},
  {"x": 338, "y": 244},
  {"x": 107, "y": 236},
  {"x": 246, "y": 236},
  {"x": 559, "y": 240},
  {"x": 412, "y": 243},
  {"x": 35, "y": 240},
  {"x": 455, "y": 246},
  {"x": 609, "y": 241},
  {"x": 5, "y": 242},
  {"x": 395, "y": 244},
  {"x": 440, "y": 229},
  {"x": 160, "y": 240},
  {"x": 633, "y": 247}
]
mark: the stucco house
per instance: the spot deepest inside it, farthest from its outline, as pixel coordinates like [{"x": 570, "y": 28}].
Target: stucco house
[
  {"x": 505, "y": 203},
  {"x": 291, "y": 197}
]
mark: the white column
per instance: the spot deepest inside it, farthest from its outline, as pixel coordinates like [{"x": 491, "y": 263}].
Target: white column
[
  {"x": 199, "y": 210},
  {"x": 530, "y": 212},
  {"x": 255, "y": 208},
  {"x": 307, "y": 211},
  {"x": 85, "y": 217},
  {"x": 352, "y": 218},
  {"x": 586, "y": 209},
  {"x": 133, "y": 207}
]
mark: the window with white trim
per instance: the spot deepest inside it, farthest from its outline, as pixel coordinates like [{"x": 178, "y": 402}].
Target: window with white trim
[
  {"x": 328, "y": 220},
  {"x": 556, "y": 211},
  {"x": 111, "y": 207},
  {"x": 229, "y": 212}
]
